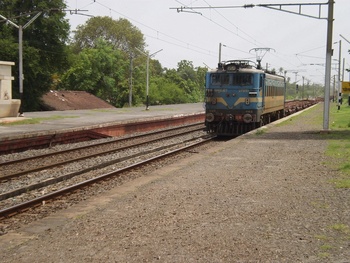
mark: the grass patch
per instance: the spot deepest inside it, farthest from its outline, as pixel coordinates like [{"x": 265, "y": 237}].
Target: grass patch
[
  {"x": 286, "y": 122},
  {"x": 292, "y": 118},
  {"x": 260, "y": 131},
  {"x": 340, "y": 228},
  {"x": 36, "y": 120},
  {"x": 324, "y": 255},
  {"x": 340, "y": 118},
  {"x": 103, "y": 110},
  {"x": 329, "y": 245},
  {"x": 321, "y": 237},
  {"x": 320, "y": 205},
  {"x": 326, "y": 247},
  {"x": 339, "y": 144},
  {"x": 341, "y": 183}
]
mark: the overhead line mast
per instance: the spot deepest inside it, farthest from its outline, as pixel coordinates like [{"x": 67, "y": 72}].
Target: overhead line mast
[{"x": 329, "y": 51}]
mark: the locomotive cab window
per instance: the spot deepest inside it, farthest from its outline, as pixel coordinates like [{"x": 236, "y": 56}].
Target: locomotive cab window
[
  {"x": 220, "y": 79},
  {"x": 242, "y": 79}
]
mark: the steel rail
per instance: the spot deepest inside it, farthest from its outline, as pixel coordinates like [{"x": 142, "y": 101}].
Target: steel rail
[
  {"x": 43, "y": 167},
  {"x": 10, "y": 211},
  {"x": 68, "y": 176},
  {"x": 94, "y": 145}
]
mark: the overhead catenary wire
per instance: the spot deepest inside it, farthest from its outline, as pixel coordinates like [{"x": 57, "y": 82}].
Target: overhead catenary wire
[
  {"x": 180, "y": 43},
  {"x": 183, "y": 44},
  {"x": 171, "y": 40},
  {"x": 253, "y": 42},
  {"x": 223, "y": 27}
]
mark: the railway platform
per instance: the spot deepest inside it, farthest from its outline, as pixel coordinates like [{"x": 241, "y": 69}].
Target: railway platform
[{"x": 50, "y": 122}]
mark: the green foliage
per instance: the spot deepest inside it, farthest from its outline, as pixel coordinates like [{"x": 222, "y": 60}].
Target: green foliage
[
  {"x": 163, "y": 91},
  {"x": 43, "y": 45},
  {"x": 122, "y": 38},
  {"x": 188, "y": 79},
  {"x": 121, "y": 34},
  {"x": 100, "y": 71},
  {"x": 308, "y": 91},
  {"x": 201, "y": 72}
]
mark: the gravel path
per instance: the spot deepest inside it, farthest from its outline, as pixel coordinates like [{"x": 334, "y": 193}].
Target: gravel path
[{"x": 258, "y": 198}]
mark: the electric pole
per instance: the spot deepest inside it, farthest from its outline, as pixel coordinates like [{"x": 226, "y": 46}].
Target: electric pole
[{"x": 20, "y": 51}]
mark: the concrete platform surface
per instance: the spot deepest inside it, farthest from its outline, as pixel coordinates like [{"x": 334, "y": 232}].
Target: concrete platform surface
[{"x": 51, "y": 121}]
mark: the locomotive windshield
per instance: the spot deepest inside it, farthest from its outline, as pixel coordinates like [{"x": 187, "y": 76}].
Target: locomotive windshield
[
  {"x": 220, "y": 79},
  {"x": 236, "y": 79},
  {"x": 242, "y": 79}
]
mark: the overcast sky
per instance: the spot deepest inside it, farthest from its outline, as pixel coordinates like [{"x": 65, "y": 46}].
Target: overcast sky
[{"x": 295, "y": 41}]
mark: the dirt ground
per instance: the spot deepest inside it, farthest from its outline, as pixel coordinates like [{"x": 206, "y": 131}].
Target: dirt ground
[{"x": 262, "y": 197}]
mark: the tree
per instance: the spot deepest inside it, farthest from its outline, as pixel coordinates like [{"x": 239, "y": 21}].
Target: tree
[
  {"x": 164, "y": 91},
  {"x": 121, "y": 34},
  {"x": 100, "y": 71},
  {"x": 201, "y": 72},
  {"x": 191, "y": 81},
  {"x": 44, "y": 45},
  {"x": 281, "y": 71}
]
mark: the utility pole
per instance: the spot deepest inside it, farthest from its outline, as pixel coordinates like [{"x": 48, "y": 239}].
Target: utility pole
[
  {"x": 334, "y": 90},
  {"x": 302, "y": 91},
  {"x": 220, "y": 45},
  {"x": 147, "y": 74},
  {"x": 296, "y": 75},
  {"x": 339, "y": 83},
  {"x": 328, "y": 66},
  {"x": 20, "y": 51},
  {"x": 130, "y": 81}
]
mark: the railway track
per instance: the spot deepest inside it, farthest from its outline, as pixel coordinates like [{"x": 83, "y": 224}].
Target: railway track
[
  {"x": 12, "y": 168},
  {"x": 61, "y": 179}
]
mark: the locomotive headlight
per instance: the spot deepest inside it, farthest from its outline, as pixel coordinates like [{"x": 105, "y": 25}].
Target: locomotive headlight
[
  {"x": 247, "y": 118},
  {"x": 209, "y": 117}
]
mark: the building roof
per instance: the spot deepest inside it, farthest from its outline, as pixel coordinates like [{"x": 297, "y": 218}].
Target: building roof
[{"x": 61, "y": 100}]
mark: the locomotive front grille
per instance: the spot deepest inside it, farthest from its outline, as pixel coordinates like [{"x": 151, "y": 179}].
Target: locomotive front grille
[{"x": 231, "y": 129}]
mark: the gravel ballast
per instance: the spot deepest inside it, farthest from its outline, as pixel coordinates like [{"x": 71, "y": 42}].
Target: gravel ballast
[{"x": 262, "y": 197}]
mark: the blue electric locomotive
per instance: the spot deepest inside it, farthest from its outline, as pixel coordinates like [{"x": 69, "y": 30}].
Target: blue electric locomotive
[{"x": 241, "y": 97}]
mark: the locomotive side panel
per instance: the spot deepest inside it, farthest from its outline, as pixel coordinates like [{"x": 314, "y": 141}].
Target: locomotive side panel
[{"x": 274, "y": 97}]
